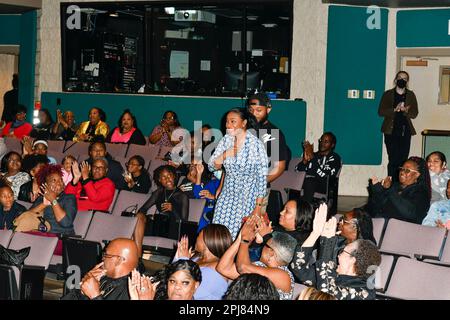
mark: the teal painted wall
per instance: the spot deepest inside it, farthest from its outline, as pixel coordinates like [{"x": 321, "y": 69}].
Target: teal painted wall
[
  {"x": 22, "y": 30},
  {"x": 423, "y": 28},
  {"x": 356, "y": 59},
  {"x": 289, "y": 116}
]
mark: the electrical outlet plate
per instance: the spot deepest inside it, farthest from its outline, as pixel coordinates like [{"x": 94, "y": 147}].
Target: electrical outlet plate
[
  {"x": 353, "y": 94},
  {"x": 369, "y": 94}
]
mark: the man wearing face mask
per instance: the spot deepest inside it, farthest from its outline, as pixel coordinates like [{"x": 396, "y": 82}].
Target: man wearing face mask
[{"x": 398, "y": 106}]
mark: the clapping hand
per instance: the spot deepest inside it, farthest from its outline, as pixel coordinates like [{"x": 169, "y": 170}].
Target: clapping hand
[
  {"x": 183, "y": 250},
  {"x": 85, "y": 170},
  {"x": 76, "y": 172},
  {"x": 141, "y": 287},
  {"x": 47, "y": 193},
  {"x": 308, "y": 153},
  {"x": 27, "y": 145},
  {"x": 248, "y": 231},
  {"x": 320, "y": 219}
]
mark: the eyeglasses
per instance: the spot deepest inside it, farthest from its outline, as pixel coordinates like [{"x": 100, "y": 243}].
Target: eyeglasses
[
  {"x": 108, "y": 256},
  {"x": 349, "y": 253},
  {"x": 407, "y": 170},
  {"x": 266, "y": 245}
]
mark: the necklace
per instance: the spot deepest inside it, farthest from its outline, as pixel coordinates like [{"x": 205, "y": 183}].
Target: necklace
[{"x": 166, "y": 199}]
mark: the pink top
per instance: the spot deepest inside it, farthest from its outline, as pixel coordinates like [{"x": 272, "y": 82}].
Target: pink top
[{"x": 117, "y": 137}]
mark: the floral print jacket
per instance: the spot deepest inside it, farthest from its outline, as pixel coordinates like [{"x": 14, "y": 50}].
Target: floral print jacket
[{"x": 325, "y": 277}]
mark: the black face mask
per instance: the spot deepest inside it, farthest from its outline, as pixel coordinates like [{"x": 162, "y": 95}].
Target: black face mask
[{"x": 401, "y": 83}]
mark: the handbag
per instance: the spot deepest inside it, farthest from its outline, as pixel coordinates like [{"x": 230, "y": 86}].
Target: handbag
[
  {"x": 128, "y": 213},
  {"x": 13, "y": 257},
  {"x": 31, "y": 221}
]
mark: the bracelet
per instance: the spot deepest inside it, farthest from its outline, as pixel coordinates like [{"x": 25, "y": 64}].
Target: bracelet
[{"x": 244, "y": 241}]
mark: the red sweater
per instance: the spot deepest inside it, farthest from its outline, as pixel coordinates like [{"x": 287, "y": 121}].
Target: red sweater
[
  {"x": 100, "y": 194},
  {"x": 20, "y": 132}
]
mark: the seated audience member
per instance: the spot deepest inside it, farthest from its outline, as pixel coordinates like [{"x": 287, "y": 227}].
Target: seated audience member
[
  {"x": 67, "y": 163},
  {"x": 96, "y": 126},
  {"x": 136, "y": 177},
  {"x": 109, "y": 279},
  {"x": 170, "y": 201},
  {"x": 319, "y": 165},
  {"x": 356, "y": 224},
  {"x": 211, "y": 244},
  {"x": 251, "y": 286},
  {"x": 97, "y": 150},
  {"x": 43, "y": 130},
  {"x": 177, "y": 281},
  {"x": 346, "y": 278},
  {"x": 126, "y": 131},
  {"x": 314, "y": 294},
  {"x": 12, "y": 171},
  {"x": 275, "y": 257},
  {"x": 439, "y": 213},
  {"x": 29, "y": 191},
  {"x": 59, "y": 207},
  {"x": 205, "y": 187},
  {"x": 92, "y": 189},
  {"x": 38, "y": 147},
  {"x": 162, "y": 133},
  {"x": 9, "y": 209},
  {"x": 408, "y": 199},
  {"x": 65, "y": 126},
  {"x": 18, "y": 128},
  {"x": 296, "y": 220},
  {"x": 439, "y": 175}
]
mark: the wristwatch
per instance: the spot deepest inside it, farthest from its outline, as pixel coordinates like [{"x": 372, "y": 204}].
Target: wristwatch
[{"x": 54, "y": 202}]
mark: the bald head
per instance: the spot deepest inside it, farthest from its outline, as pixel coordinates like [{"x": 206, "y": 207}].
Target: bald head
[{"x": 127, "y": 250}]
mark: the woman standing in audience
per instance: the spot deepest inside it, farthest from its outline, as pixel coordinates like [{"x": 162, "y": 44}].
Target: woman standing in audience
[
  {"x": 94, "y": 127},
  {"x": 170, "y": 201},
  {"x": 162, "y": 133},
  {"x": 408, "y": 199},
  {"x": 245, "y": 161},
  {"x": 439, "y": 175},
  {"x": 136, "y": 177},
  {"x": 12, "y": 171},
  {"x": 398, "y": 106},
  {"x": 178, "y": 281},
  {"x": 18, "y": 128},
  {"x": 126, "y": 131},
  {"x": 211, "y": 244},
  {"x": 346, "y": 278}
]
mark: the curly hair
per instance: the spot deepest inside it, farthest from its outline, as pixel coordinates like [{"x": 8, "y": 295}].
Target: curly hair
[
  {"x": 47, "y": 170},
  {"x": 424, "y": 178},
  {"x": 163, "y": 276},
  {"x": 251, "y": 286},
  {"x": 159, "y": 170},
  {"x": 366, "y": 254}
]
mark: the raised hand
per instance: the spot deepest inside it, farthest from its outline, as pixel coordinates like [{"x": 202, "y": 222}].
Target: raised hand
[
  {"x": 320, "y": 219},
  {"x": 264, "y": 228},
  {"x": 329, "y": 230},
  {"x": 76, "y": 172},
  {"x": 47, "y": 193},
  {"x": 248, "y": 231},
  {"x": 183, "y": 250},
  {"x": 386, "y": 182},
  {"x": 85, "y": 170},
  {"x": 27, "y": 145},
  {"x": 205, "y": 194}
]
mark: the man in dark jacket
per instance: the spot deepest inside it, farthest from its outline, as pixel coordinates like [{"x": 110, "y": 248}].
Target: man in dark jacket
[
  {"x": 10, "y": 101},
  {"x": 319, "y": 166},
  {"x": 109, "y": 280}
]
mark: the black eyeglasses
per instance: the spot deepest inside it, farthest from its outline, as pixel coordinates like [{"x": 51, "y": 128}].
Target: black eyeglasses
[
  {"x": 108, "y": 256},
  {"x": 266, "y": 245},
  {"x": 349, "y": 253}
]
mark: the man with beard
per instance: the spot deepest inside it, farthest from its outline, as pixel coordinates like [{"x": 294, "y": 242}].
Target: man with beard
[{"x": 319, "y": 165}]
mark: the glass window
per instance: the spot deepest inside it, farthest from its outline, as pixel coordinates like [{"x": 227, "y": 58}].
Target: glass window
[{"x": 212, "y": 49}]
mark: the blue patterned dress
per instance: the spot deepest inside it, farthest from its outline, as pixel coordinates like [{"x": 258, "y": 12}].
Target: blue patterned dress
[{"x": 245, "y": 181}]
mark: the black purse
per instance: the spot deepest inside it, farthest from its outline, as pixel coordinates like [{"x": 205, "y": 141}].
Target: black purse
[
  {"x": 128, "y": 213},
  {"x": 13, "y": 257}
]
